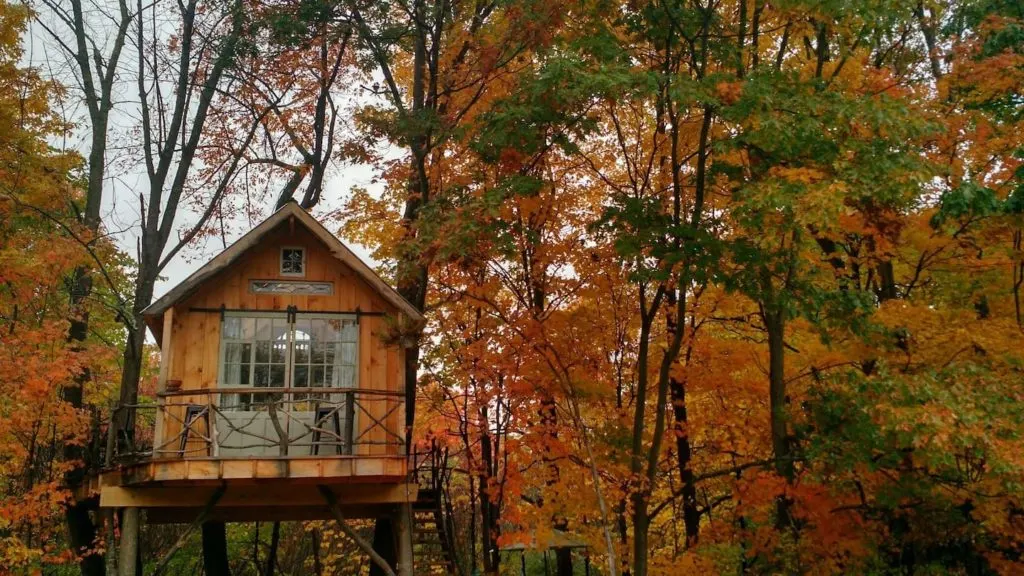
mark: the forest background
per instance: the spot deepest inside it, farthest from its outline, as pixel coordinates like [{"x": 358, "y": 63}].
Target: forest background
[{"x": 712, "y": 286}]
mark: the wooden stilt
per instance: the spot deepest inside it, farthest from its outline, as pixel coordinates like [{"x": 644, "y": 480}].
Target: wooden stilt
[
  {"x": 215, "y": 549},
  {"x": 403, "y": 527},
  {"x": 332, "y": 505},
  {"x": 188, "y": 531},
  {"x": 129, "y": 549}
]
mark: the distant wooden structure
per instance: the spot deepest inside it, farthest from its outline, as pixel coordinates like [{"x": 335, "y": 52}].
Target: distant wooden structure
[{"x": 281, "y": 390}]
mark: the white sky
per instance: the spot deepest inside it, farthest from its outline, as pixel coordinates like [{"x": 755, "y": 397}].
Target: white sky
[{"x": 126, "y": 177}]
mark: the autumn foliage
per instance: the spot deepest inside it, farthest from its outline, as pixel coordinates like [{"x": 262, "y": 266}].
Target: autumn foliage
[{"x": 722, "y": 287}]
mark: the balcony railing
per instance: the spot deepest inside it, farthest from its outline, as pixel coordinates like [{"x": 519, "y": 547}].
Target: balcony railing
[{"x": 262, "y": 422}]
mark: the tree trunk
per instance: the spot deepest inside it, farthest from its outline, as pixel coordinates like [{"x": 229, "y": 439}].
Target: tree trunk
[
  {"x": 488, "y": 512},
  {"x": 314, "y": 537},
  {"x": 781, "y": 446},
  {"x": 623, "y": 530},
  {"x": 684, "y": 453},
  {"x": 927, "y": 24},
  {"x": 82, "y": 536},
  {"x": 215, "y": 549},
  {"x": 383, "y": 544},
  {"x": 563, "y": 561},
  {"x": 81, "y": 529},
  {"x": 641, "y": 524},
  {"x": 886, "y": 282},
  {"x": 275, "y": 541}
]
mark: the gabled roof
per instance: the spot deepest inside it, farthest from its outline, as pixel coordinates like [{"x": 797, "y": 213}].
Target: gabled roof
[{"x": 252, "y": 239}]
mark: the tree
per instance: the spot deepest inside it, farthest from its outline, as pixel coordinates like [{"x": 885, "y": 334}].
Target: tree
[{"x": 48, "y": 246}]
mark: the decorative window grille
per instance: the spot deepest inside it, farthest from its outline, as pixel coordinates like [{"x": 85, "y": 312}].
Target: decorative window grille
[
  {"x": 291, "y": 287},
  {"x": 293, "y": 261}
]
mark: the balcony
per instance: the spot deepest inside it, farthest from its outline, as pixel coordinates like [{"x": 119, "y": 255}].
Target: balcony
[{"x": 259, "y": 443}]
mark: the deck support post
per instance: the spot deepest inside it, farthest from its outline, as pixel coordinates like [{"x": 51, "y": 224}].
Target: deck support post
[
  {"x": 215, "y": 549},
  {"x": 332, "y": 505},
  {"x": 403, "y": 529},
  {"x": 129, "y": 548}
]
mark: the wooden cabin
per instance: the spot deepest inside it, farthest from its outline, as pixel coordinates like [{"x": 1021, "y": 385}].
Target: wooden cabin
[{"x": 279, "y": 377}]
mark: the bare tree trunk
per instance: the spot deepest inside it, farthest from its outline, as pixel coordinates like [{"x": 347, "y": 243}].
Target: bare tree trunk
[
  {"x": 96, "y": 79},
  {"x": 927, "y": 23}
]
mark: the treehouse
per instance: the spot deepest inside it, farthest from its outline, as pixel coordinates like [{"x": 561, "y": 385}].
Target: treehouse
[{"x": 281, "y": 392}]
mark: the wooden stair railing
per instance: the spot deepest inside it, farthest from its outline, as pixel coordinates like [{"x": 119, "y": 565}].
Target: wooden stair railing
[
  {"x": 431, "y": 536},
  {"x": 433, "y": 529}
]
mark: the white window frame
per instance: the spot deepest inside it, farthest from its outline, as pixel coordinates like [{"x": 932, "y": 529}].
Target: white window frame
[
  {"x": 291, "y": 349},
  {"x": 225, "y": 388},
  {"x": 280, "y": 262},
  {"x": 221, "y": 371}
]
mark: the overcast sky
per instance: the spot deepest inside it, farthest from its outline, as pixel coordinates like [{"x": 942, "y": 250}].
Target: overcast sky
[{"x": 126, "y": 175}]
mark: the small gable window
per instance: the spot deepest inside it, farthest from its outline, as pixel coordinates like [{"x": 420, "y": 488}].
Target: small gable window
[{"x": 293, "y": 261}]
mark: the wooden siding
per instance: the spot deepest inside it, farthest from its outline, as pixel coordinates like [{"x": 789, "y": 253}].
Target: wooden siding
[{"x": 192, "y": 350}]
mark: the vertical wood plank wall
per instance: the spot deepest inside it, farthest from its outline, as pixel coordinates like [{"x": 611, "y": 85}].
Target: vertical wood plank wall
[{"x": 196, "y": 335}]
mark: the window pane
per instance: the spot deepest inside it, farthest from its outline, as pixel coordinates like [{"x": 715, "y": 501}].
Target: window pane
[
  {"x": 248, "y": 328},
  {"x": 264, "y": 328},
  {"x": 329, "y": 377},
  {"x": 232, "y": 328},
  {"x": 246, "y": 353},
  {"x": 233, "y": 374},
  {"x": 348, "y": 353},
  {"x": 230, "y": 401},
  {"x": 346, "y": 377},
  {"x": 350, "y": 332},
  {"x": 303, "y": 329},
  {"x": 277, "y": 375},
  {"x": 278, "y": 352},
  {"x": 263, "y": 352},
  {"x": 262, "y": 376},
  {"x": 232, "y": 352},
  {"x": 300, "y": 378},
  {"x": 318, "y": 376},
  {"x": 291, "y": 260},
  {"x": 281, "y": 329},
  {"x": 301, "y": 352},
  {"x": 326, "y": 330},
  {"x": 318, "y": 353}
]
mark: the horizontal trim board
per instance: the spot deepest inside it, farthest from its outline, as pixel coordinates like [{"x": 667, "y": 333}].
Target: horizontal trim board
[
  {"x": 397, "y": 394},
  {"x": 253, "y": 495}
]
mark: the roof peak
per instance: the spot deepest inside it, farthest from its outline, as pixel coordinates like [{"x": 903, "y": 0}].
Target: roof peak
[{"x": 252, "y": 238}]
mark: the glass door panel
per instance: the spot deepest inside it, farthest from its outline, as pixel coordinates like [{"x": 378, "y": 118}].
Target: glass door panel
[
  {"x": 323, "y": 359},
  {"x": 254, "y": 354}
]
